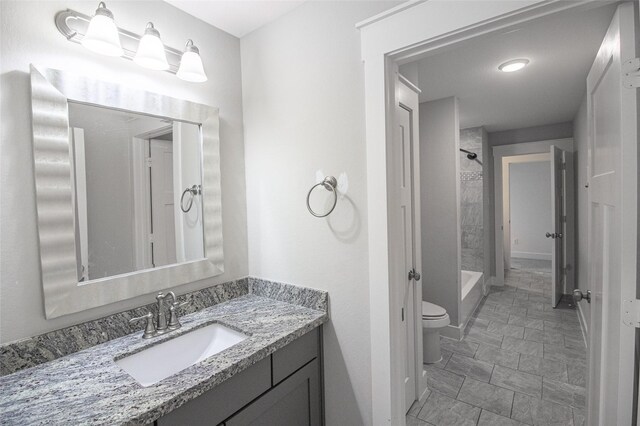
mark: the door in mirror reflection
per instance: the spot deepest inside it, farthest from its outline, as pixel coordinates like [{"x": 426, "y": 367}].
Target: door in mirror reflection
[{"x": 137, "y": 191}]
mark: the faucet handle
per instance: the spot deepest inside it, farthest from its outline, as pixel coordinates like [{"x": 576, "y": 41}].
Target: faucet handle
[
  {"x": 150, "y": 329},
  {"x": 174, "y": 322}
]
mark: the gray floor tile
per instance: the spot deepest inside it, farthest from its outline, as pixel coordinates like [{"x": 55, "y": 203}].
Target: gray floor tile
[
  {"x": 552, "y": 337},
  {"x": 445, "y": 358},
  {"x": 442, "y": 410},
  {"x": 562, "y": 353},
  {"x": 526, "y": 347},
  {"x": 506, "y": 330},
  {"x": 470, "y": 367},
  {"x": 487, "y": 396},
  {"x": 563, "y": 393},
  {"x": 511, "y": 310},
  {"x": 487, "y": 418},
  {"x": 517, "y": 381},
  {"x": 544, "y": 315},
  {"x": 534, "y": 411},
  {"x": 577, "y": 372},
  {"x": 494, "y": 316},
  {"x": 483, "y": 336},
  {"x": 579, "y": 417},
  {"x": 461, "y": 347},
  {"x": 526, "y": 322},
  {"x": 417, "y": 405},
  {"x": 414, "y": 421},
  {"x": 552, "y": 369},
  {"x": 478, "y": 323},
  {"x": 443, "y": 381},
  {"x": 498, "y": 356},
  {"x": 574, "y": 342}
]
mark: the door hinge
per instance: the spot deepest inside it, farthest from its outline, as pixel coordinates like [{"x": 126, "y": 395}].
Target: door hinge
[
  {"x": 151, "y": 241},
  {"x": 402, "y": 314},
  {"x": 148, "y": 161},
  {"x": 563, "y": 166},
  {"x": 564, "y": 218},
  {"x": 631, "y": 73},
  {"x": 631, "y": 313}
]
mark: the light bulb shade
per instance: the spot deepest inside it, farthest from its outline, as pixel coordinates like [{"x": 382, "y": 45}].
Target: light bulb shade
[
  {"x": 191, "y": 68},
  {"x": 151, "y": 52},
  {"x": 102, "y": 35}
]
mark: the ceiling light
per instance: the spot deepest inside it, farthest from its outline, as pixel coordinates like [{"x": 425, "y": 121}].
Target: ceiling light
[
  {"x": 191, "y": 68},
  {"x": 151, "y": 52},
  {"x": 102, "y": 35},
  {"x": 514, "y": 65}
]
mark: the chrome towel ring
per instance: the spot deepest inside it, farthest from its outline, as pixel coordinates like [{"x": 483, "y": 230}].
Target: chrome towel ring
[
  {"x": 330, "y": 184},
  {"x": 193, "y": 191}
]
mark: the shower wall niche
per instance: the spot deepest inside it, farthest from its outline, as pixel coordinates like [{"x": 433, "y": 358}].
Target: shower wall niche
[{"x": 471, "y": 203}]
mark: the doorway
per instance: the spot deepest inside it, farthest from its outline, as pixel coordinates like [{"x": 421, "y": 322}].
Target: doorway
[{"x": 386, "y": 44}]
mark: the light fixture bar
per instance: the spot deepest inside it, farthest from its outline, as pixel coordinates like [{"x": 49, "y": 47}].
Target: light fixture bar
[{"x": 73, "y": 25}]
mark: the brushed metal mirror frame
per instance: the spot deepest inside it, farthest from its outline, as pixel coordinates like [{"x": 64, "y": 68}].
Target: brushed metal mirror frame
[{"x": 51, "y": 91}]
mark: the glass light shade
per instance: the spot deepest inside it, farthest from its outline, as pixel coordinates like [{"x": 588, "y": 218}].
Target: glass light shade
[
  {"x": 514, "y": 65},
  {"x": 151, "y": 52},
  {"x": 191, "y": 68},
  {"x": 102, "y": 35}
]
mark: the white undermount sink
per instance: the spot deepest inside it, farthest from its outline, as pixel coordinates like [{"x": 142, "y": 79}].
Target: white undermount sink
[{"x": 158, "y": 362}]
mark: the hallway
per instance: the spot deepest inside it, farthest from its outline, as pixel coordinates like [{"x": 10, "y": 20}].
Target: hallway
[{"x": 521, "y": 361}]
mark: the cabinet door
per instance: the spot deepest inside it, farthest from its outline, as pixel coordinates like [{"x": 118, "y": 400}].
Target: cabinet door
[{"x": 293, "y": 402}]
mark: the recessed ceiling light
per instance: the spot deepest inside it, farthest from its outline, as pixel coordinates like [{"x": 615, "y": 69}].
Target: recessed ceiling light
[{"x": 514, "y": 65}]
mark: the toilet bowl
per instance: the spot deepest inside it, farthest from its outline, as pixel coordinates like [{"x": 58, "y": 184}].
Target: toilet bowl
[{"x": 434, "y": 318}]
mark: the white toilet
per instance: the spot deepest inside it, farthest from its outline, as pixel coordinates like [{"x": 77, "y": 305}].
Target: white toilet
[{"x": 434, "y": 318}]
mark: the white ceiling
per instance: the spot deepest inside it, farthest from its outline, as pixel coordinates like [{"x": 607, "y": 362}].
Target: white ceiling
[
  {"x": 561, "y": 49},
  {"x": 237, "y": 17}
]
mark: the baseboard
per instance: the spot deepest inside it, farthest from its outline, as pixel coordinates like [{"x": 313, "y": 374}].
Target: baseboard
[
  {"x": 531, "y": 255},
  {"x": 583, "y": 325},
  {"x": 452, "y": 332}
]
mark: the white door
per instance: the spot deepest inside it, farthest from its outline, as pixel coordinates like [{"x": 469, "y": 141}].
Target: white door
[
  {"x": 556, "y": 233},
  {"x": 405, "y": 157},
  {"x": 612, "y": 224},
  {"x": 162, "y": 203}
]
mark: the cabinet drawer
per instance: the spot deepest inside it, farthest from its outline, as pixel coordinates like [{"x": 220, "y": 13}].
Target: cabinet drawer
[
  {"x": 212, "y": 407},
  {"x": 293, "y": 356}
]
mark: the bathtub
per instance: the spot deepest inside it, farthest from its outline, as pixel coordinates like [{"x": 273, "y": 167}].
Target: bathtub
[{"x": 472, "y": 292}]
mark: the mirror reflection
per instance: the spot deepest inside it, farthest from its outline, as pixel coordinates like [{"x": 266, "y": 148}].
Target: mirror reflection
[{"x": 137, "y": 191}]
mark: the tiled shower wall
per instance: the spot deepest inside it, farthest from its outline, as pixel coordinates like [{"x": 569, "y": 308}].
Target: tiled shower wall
[{"x": 471, "y": 200}]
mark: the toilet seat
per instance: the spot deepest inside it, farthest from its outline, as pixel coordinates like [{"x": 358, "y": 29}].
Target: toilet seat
[
  {"x": 431, "y": 310},
  {"x": 434, "y": 316}
]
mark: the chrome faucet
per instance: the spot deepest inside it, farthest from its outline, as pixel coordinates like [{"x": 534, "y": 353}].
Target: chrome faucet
[
  {"x": 158, "y": 325},
  {"x": 161, "y": 315}
]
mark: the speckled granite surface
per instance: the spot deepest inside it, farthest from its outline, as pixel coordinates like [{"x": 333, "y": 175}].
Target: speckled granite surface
[
  {"x": 46, "y": 347},
  {"x": 303, "y": 296},
  {"x": 87, "y": 387}
]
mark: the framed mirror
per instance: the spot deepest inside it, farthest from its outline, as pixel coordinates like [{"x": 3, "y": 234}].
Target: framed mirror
[{"x": 127, "y": 190}]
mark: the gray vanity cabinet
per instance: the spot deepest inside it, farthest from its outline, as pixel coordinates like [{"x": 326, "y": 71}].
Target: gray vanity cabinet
[{"x": 283, "y": 389}]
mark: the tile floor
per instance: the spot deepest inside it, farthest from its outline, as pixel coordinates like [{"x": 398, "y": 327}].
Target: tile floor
[{"x": 521, "y": 361}]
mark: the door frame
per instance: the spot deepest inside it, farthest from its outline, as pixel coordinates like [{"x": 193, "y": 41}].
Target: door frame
[
  {"x": 403, "y": 34},
  {"x": 502, "y": 154}
]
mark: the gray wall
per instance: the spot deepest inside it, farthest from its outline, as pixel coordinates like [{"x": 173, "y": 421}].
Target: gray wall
[
  {"x": 28, "y": 35},
  {"x": 580, "y": 138},
  {"x": 509, "y": 137},
  {"x": 303, "y": 96},
  {"x": 471, "y": 200},
  {"x": 440, "y": 201}
]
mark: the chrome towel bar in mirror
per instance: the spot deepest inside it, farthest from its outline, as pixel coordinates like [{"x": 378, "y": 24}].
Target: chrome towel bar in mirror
[
  {"x": 329, "y": 183},
  {"x": 193, "y": 191}
]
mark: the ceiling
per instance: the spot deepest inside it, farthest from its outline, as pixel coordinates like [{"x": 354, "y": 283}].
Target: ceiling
[
  {"x": 237, "y": 17},
  {"x": 561, "y": 49}
]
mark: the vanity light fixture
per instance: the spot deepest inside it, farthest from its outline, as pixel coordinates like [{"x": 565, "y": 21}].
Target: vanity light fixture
[
  {"x": 513, "y": 65},
  {"x": 102, "y": 35},
  {"x": 191, "y": 68},
  {"x": 150, "y": 53}
]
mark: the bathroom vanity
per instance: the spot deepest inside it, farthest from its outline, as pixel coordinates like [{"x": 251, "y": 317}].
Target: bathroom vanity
[{"x": 273, "y": 376}]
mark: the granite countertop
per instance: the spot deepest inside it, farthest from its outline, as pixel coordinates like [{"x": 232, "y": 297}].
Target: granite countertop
[{"x": 87, "y": 387}]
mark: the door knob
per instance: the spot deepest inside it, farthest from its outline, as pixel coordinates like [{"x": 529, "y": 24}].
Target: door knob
[
  {"x": 414, "y": 275},
  {"x": 578, "y": 295},
  {"x": 554, "y": 235}
]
